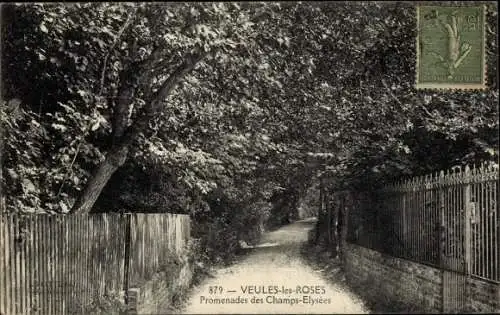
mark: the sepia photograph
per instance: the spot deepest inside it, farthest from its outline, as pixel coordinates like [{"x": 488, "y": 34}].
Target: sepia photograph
[{"x": 253, "y": 157}]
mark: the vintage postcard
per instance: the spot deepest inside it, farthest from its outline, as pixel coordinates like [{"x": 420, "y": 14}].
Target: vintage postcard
[{"x": 249, "y": 158}]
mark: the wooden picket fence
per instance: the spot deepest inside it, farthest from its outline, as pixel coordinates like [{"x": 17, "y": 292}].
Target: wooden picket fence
[
  {"x": 62, "y": 264},
  {"x": 449, "y": 220}
]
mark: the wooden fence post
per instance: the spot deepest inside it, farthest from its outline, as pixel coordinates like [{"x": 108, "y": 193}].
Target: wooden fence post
[
  {"x": 404, "y": 241},
  {"x": 126, "y": 257}
]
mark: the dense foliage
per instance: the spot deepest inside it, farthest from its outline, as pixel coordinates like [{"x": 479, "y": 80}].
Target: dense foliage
[{"x": 224, "y": 111}]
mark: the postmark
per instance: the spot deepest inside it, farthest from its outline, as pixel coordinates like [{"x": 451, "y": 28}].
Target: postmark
[{"x": 451, "y": 47}]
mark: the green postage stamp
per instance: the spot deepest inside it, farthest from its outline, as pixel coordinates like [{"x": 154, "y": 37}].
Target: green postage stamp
[{"x": 451, "y": 47}]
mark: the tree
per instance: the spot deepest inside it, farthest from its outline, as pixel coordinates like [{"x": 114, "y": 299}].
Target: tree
[
  {"x": 145, "y": 51},
  {"x": 216, "y": 95}
]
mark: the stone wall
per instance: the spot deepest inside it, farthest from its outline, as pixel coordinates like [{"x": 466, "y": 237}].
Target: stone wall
[
  {"x": 408, "y": 286},
  {"x": 484, "y": 296}
]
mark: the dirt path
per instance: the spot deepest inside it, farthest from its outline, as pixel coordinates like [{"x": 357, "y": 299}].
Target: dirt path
[{"x": 260, "y": 280}]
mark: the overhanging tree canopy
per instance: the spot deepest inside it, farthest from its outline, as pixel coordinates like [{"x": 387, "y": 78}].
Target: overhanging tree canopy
[{"x": 225, "y": 95}]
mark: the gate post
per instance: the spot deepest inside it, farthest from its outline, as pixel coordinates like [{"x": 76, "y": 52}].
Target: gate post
[
  {"x": 467, "y": 222},
  {"x": 467, "y": 235},
  {"x": 442, "y": 238},
  {"x": 442, "y": 226},
  {"x": 456, "y": 264}
]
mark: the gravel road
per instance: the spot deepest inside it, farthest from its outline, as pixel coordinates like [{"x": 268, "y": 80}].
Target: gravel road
[{"x": 273, "y": 278}]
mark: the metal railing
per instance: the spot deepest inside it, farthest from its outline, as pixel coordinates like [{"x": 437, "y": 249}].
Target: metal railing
[{"x": 449, "y": 220}]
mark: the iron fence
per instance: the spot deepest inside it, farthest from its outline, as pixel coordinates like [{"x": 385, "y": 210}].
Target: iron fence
[{"x": 449, "y": 220}]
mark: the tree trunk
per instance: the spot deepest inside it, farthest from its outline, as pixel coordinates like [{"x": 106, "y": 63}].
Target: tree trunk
[
  {"x": 320, "y": 216},
  {"x": 99, "y": 179},
  {"x": 336, "y": 222},
  {"x": 124, "y": 137},
  {"x": 343, "y": 222}
]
